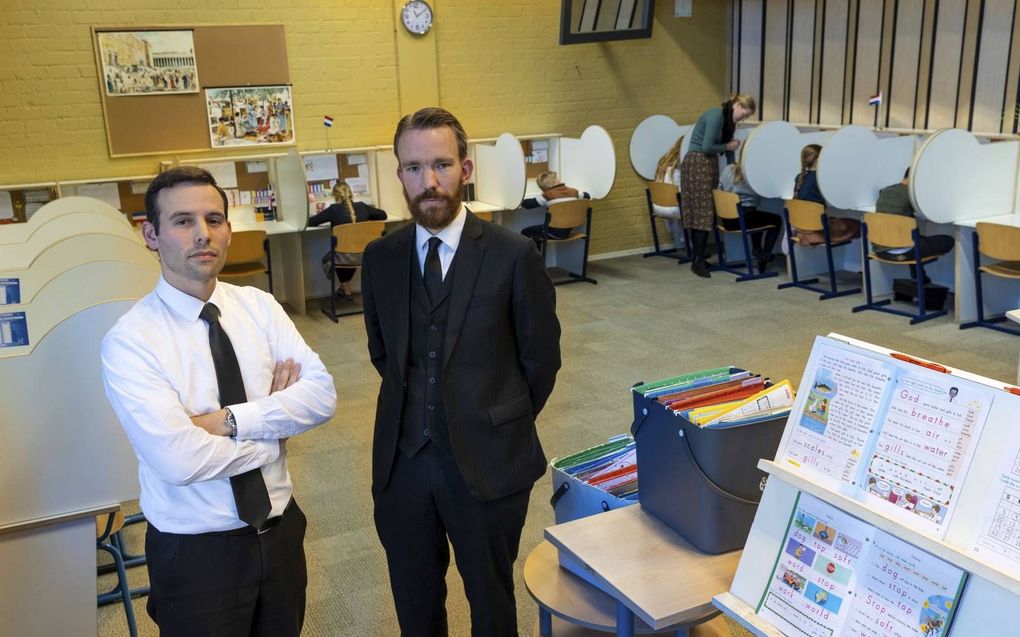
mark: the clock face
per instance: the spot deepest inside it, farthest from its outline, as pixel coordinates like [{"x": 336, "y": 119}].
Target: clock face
[{"x": 417, "y": 16}]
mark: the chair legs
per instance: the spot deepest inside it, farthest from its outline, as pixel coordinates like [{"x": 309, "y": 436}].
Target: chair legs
[
  {"x": 825, "y": 294},
  {"x": 982, "y": 321},
  {"x": 743, "y": 269},
  {"x": 922, "y": 314}
]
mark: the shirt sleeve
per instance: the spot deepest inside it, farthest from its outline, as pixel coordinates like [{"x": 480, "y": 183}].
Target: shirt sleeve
[
  {"x": 307, "y": 403},
  {"x": 159, "y": 427}
]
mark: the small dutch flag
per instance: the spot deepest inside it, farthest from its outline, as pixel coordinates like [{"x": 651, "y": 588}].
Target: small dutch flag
[
  {"x": 875, "y": 100},
  {"x": 327, "y": 121}
]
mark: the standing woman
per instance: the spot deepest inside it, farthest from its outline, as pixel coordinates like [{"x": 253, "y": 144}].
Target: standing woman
[{"x": 699, "y": 171}]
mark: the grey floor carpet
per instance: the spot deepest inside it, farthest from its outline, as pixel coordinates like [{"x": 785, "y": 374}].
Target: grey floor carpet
[{"x": 646, "y": 319}]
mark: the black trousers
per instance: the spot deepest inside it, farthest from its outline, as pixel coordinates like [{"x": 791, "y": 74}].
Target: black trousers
[
  {"x": 427, "y": 505},
  {"x": 240, "y": 583},
  {"x": 755, "y": 218}
]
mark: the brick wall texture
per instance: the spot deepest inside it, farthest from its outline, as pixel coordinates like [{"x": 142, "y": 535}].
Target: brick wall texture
[{"x": 500, "y": 69}]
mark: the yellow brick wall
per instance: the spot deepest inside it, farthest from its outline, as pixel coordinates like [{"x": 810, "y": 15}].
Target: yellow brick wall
[{"x": 500, "y": 69}]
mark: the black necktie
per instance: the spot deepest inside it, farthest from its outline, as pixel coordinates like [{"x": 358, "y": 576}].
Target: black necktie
[
  {"x": 250, "y": 493},
  {"x": 433, "y": 270}
]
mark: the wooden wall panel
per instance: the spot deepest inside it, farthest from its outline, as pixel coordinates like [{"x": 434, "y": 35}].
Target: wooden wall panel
[
  {"x": 937, "y": 63},
  {"x": 773, "y": 90},
  {"x": 802, "y": 47}
]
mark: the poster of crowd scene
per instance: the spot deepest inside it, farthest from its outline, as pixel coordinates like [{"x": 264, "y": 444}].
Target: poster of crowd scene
[
  {"x": 251, "y": 115},
  {"x": 148, "y": 62}
]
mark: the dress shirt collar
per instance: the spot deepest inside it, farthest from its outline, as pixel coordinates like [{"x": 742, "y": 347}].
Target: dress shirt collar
[
  {"x": 183, "y": 304},
  {"x": 450, "y": 235}
]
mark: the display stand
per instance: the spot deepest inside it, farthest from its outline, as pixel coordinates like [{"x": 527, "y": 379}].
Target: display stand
[
  {"x": 66, "y": 457},
  {"x": 992, "y": 588}
]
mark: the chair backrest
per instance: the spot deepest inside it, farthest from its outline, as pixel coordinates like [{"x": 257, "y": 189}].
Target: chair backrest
[
  {"x": 109, "y": 523},
  {"x": 998, "y": 241},
  {"x": 353, "y": 237},
  {"x": 726, "y": 204},
  {"x": 246, "y": 246},
  {"x": 663, "y": 194},
  {"x": 484, "y": 216},
  {"x": 890, "y": 231},
  {"x": 569, "y": 214},
  {"x": 805, "y": 215}
]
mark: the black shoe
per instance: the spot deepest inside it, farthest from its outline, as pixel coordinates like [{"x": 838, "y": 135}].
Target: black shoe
[
  {"x": 762, "y": 264},
  {"x": 700, "y": 268}
]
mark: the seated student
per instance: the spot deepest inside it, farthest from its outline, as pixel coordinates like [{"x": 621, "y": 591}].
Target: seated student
[
  {"x": 732, "y": 180},
  {"x": 668, "y": 172},
  {"x": 805, "y": 187},
  {"x": 553, "y": 191},
  {"x": 338, "y": 214},
  {"x": 895, "y": 200}
]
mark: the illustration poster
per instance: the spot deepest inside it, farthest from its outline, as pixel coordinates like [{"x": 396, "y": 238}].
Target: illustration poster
[
  {"x": 148, "y": 62},
  {"x": 250, "y": 116}
]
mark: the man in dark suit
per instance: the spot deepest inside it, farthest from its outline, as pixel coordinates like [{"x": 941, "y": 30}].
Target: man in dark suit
[{"x": 462, "y": 328}]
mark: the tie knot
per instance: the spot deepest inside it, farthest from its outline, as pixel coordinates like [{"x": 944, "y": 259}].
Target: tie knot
[
  {"x": 210, "y": 313},
  {"x": 434, "y": 244}
]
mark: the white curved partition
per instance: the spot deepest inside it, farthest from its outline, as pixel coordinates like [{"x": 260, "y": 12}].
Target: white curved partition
[
  {"x": 292, "y": 193},
  {"x": 589, "y": 162},
  {"x": 855, "y": 164},
  {"x": 652, "y": 139},
  {"x": 18, "y": 256},
  {"x": 771, "y": 157},
  {"x": 500, "y": 177},
  {"x": 54, "y": 211},
  {"x": 955, "y": 177}
]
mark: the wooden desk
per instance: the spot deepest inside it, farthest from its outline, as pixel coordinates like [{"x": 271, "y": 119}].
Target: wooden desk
[
  {"x": 999, "y": 294},
  {"x": 652, "y": 573}
]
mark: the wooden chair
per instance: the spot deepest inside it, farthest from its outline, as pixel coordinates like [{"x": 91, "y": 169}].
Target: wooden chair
[
  {"x": 1001, "y": 243},
  {"x": 573, "y": 216},
  {"x": 891, "y": 232},
  {"x": 351, "y": 238},
  {"x": 810, "y": 216},
  {"x": 106, "y": 526},
  {"x": 484, "y": 215},
  {"x": 727, "y": 206},
  {"x": 658, "y": 193},
  {"x": 245, "y": 256}
]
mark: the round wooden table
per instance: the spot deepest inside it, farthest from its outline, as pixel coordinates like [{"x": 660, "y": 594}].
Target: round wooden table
[{"x": 585, "y": 610}]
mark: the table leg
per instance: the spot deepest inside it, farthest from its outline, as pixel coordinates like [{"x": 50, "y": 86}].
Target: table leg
[
  {"x": 544, "y": 622},
  {"x": 624, "y": 620}
]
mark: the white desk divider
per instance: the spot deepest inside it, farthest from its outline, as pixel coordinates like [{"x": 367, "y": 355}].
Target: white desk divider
[
  {"x": 499, "y": 172},
  {"x": 771, "y": 157},
  {"x": 53, "y": 211},
  {"x": 391, "y": 192},
  {"x": 589, "y": 162},
  {"x": 74, "y": 251},
  {"x": 652, "y": 139},
  {"x": 956, "y": 177},
  {"x": 18, "y": 256},
  {"x": 856, "y": 163},
  {"x": 291, "y": 189},
  {"x": 990, "y": 593}
]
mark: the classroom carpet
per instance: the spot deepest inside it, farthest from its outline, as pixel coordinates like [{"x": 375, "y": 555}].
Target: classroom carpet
[{"x": 645, "y": 320}]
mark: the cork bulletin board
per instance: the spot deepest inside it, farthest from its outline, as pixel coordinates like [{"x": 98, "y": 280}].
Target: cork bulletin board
[{"x": 239, "y": 55}]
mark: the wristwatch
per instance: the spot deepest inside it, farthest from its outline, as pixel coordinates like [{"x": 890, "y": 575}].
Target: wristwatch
[{"x": 231, "y": 422}]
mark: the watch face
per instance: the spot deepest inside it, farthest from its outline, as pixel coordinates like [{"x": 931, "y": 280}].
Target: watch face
[{"x": 417, "y": 16}]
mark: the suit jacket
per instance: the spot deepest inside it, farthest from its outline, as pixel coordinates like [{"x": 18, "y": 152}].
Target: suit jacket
[{"x": 500, "y": 353}]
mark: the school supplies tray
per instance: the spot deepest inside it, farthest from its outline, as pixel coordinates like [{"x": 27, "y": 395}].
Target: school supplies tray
[{"x": 594, "y": 480}]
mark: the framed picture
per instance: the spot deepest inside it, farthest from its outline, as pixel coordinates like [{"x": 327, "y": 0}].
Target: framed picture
[
  {"x": 250, "y": 115},
  {"x": 148, "y": 62}
]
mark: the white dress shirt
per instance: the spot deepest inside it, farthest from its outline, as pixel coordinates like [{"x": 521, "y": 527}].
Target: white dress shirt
[
  {"x": 158, "y": 372},
  {"x": 450, "y": 237}
]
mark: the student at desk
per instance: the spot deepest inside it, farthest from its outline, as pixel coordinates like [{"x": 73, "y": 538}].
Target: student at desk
[
  {"x": 805, "y": 188},
  {"x": 668, "y": 172},
  {"x": 345, "y": 210},
  {"x": 732, "y": 180},
  {"x": 895, "y": 200},
  {"x": 553, "y": 191}
]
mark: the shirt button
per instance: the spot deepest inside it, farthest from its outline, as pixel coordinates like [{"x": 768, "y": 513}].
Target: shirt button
[
  {"x": 432, "y": 380},
  {"x": 431, "y": 407},
  {"x": 434, "y": 328},
  {"x": 426, "y": 432},
  {"x": 432, "y": 354}
]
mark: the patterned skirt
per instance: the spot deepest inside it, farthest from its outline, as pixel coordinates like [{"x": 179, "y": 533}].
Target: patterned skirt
[{"x": 699, "y": 175}]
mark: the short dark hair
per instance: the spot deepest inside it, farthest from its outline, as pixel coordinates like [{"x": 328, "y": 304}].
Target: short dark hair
[
  {"x": 175, "y": 177},
  {"x": 431, "y": 117}
]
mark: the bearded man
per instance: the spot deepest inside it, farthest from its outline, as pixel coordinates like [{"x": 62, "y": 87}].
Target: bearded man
[{"x": 462, "y": 327}]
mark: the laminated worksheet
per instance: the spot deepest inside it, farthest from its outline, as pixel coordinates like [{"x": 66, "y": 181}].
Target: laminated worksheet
[
  {"x": 838, "y": 576},
  {"x": 998, "y": 530},
  {"x": 895, "y": 433}
]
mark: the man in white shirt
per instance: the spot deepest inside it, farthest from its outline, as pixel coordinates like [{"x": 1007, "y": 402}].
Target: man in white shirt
[{"x": 209, "y": 380}]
